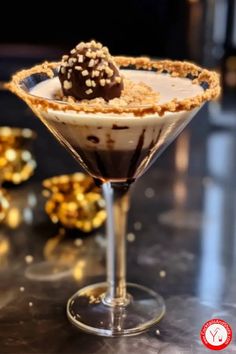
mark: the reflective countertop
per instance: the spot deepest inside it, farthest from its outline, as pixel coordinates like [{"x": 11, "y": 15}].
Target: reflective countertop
[{"x": 181, "y": 242}]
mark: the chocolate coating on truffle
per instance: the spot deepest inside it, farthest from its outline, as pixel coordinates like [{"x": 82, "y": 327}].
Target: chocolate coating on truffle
[{"x": 89, "y": 72}]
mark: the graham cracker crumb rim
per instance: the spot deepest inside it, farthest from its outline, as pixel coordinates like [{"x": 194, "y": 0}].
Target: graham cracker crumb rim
[{"x": 174, "y": 68}]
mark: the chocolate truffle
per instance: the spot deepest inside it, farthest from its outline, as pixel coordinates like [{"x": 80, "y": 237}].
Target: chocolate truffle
[{"x": 89, "y": 71}]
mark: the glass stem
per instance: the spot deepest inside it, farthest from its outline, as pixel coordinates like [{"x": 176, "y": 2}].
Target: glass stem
[{"x": 117, "y": 204}]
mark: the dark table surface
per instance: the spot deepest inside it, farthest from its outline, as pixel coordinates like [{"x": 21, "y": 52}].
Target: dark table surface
[{"x": 181, "y": 242}]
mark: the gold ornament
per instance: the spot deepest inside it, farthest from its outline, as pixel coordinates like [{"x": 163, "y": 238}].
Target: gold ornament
[
  {"x": 16, "y": 160},
  {"x": 74, "y": 201}
]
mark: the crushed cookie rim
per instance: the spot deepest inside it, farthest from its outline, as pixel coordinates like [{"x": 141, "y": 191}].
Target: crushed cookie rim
[{"x": 174, "y": 68}]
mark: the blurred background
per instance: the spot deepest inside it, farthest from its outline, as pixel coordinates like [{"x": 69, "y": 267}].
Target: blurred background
[
  {"x": 200, "y": 30},
  {"x": 186, "y": 203}
]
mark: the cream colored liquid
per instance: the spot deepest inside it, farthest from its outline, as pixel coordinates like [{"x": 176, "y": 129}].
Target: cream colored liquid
[{"x": 119, "y": 154}]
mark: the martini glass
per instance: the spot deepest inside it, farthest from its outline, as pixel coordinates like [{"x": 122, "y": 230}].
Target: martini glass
[{"x": 116, "y": 145}]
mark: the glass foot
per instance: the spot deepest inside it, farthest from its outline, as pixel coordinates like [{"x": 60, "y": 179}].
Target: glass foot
[{"x": 86, "y": 310}]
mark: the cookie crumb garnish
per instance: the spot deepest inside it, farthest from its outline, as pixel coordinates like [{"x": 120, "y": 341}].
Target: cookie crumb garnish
[{"x": 210, "y": 79}]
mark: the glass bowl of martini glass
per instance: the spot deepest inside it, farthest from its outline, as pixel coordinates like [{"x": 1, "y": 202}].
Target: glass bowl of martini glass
[{"x": 115, "y": 122}]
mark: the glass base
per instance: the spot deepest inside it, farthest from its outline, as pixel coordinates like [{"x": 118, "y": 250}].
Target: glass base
[{"x": 87, "y": 311}]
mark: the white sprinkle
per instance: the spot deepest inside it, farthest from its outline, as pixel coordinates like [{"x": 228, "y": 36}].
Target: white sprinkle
[
  {"x": 130, "y": 237},
  {"x": 22, "y": 289},
  {"x": 65, "y": 57},
  {"x": 149, "y": 192},
  {"x": 93, "y": 83},
  {"x": 73, "y": 51},
  {"x": 137, "y": 225},
  {"x": 78, "y": 242},
  {"x": 77, "y": 67},
  {"x": 67, "y": 85},
  {"x": 162, "y": 273},
  {"x": 30, "y": 304},
  {"x": 109, "y": 71},
  {"x": 80, "y": 45},
  {"x": 85, "y": 73},
  {"x": 88, "y": 83},
  {"x": 105, "y": 50},
  {"x": 118, "y": 79},
  {"x": 102, "y": 82},
  {"x": 93, "y": 55},
  {"x": 29, "y": 259},
  {"x": 71, "y": 61},
  {"x": 68, "y": 75},
  {"x": 91, "y": 63},
  {"x": 158, "y": 332},
  {"x": 88, "y": 54},
  {"x": 80, "y": 58},
  {"x": 99, "y": 53},
  {"x": 88, "y": 91},
  {"x": 108, "y": 81},
  {"x": 63, "y": 70},
  {"x": 95, "y": 73}
]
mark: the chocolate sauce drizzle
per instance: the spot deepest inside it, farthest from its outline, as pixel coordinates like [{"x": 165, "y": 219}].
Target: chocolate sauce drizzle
[
  {"x": 109, "y": 141},
  {"x": 100, "y": 164},
  {"x": 119, "y": 127},
  {"x": 93, "y": 139},
  {"x": 135, "y": 158}
]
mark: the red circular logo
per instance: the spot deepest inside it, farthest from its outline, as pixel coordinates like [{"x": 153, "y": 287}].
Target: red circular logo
[{"x": 216, "y": 334}]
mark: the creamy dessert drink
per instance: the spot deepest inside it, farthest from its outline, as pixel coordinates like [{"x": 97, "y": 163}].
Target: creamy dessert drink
[
  {"x": 114, "y": 146},
  {"x": 115, "y": 115},
  {"x": 119, "y": 147}
]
